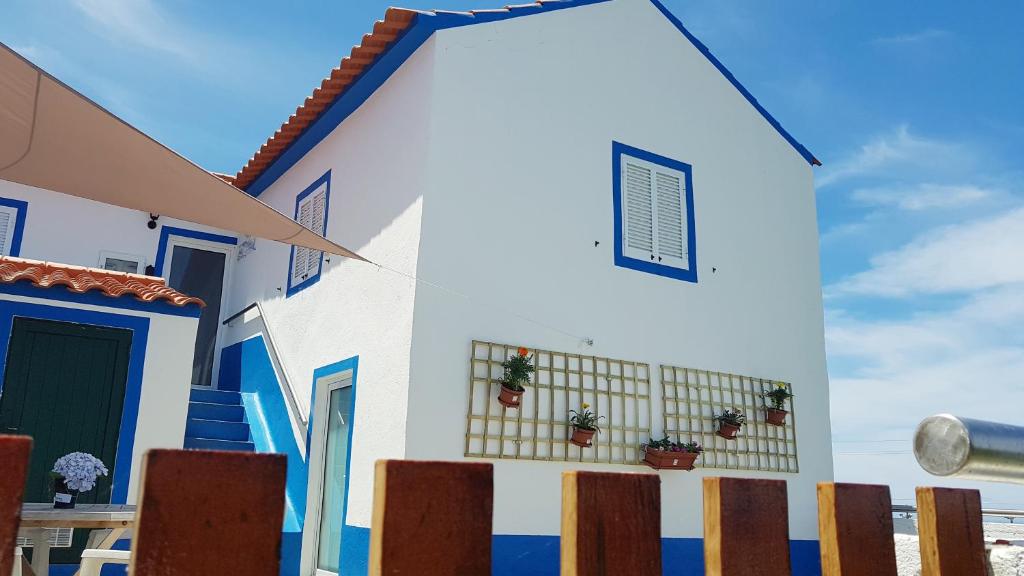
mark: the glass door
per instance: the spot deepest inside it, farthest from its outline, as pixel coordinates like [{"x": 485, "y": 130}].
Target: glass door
[
  {"x": 200, "y": 269},
  {"x": 332, "y": 420}
]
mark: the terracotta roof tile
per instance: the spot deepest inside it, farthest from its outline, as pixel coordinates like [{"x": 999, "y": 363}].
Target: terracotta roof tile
[
  {"x": 385, "y": 33},
  {"x": 80, "y": 280}
]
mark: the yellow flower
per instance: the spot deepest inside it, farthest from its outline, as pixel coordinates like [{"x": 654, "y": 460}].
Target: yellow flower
[
  {"x": 585, "y": 405},
  {"x": 780, "y": 384}
]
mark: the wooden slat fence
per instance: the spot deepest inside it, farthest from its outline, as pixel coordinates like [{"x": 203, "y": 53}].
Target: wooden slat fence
[{"x": 205, "y": 513}]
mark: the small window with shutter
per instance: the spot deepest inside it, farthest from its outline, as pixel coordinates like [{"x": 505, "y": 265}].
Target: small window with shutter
[
  {"x": 653, "y": 200},
  {"x": 12, "y": 225},
  {"x": 311, "y": 205}
]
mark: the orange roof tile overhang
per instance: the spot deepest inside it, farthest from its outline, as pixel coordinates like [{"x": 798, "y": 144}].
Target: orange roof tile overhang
[
  {"x": 80, "y": 280},
  {"x": 52, "y": 137}
]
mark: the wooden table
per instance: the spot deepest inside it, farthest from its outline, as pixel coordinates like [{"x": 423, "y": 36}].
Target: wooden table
[{"x": 38, "y": 519}]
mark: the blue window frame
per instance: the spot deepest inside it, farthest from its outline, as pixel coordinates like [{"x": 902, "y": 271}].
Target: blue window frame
[
  {"x": 12, "y": 225},
  {"x": 312, "y": 206},
  {"x": 653, "y": 208}
]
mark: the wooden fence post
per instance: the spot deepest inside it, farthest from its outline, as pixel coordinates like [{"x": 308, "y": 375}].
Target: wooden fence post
[
  {"x": 746, "y": 527},
  {"x": 950, "y": 530},
  {"x": 207, "y": 513},
  {"x": 611, "y": 524},
  {"x": 855, "y": 528},
  {"x": 14, "y": 454},
  {"x": 431, "y": 518}
]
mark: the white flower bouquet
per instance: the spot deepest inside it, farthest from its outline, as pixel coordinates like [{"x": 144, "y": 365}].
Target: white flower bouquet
[{"x": 79, "y": 471}]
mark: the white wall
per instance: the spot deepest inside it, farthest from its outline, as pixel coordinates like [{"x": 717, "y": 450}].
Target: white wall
[
  {"x": 377, "y": 159},
  {"x": 166, "y": 379},
  {"x": 525, "y": 112},
  {"x": 71, "y": 230}
]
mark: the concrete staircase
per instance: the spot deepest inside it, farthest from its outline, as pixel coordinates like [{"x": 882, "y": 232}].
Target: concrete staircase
[{"x": 216, "y": 421}]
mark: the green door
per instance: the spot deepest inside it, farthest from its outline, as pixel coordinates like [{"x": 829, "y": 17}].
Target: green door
[{"x": 64, "y": 385}]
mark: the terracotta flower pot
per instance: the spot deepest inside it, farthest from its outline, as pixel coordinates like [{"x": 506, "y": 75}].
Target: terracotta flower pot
[
  {"x": 728, "y": 431},
  {"x": 509, "y": 398},
  {"x": 581, "y": 437},
  {"x": 665, "y": 460},
  {"x": 63, "y": 497},
  {"x": 775, "y": 416}
]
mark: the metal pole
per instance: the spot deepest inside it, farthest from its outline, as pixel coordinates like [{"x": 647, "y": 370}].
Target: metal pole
[{"x": 947, "y": 445}]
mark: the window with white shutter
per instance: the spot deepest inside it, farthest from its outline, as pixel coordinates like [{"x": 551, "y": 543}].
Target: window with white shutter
[
  {"x": 12, "y": 223},
  {"x": 310, "y": 212},
  {"x": 654, "y": 213}
]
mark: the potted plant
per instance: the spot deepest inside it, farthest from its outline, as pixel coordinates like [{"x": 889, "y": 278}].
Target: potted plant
[
  {"x": 518, "y": 368},
  {"x": 776, "y": 413},
  {"x": 584, "y": 426},
  {"x": 665, "y": 454},
  {"x": 73, "y": 474},
  {"x": 729, "y": 423}
]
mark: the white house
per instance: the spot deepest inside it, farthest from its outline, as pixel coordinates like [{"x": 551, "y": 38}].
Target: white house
[{"x": 581, "y": 178}]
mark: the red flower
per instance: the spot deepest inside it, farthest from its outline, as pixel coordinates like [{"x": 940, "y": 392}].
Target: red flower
[{"x": 523, "y": 351}]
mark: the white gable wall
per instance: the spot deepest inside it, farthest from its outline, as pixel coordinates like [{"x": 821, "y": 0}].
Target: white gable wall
[{"x": 525, "y": 112}]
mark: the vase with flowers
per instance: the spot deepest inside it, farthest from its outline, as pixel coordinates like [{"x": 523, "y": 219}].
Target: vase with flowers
[{"x": 73, "y": 474}]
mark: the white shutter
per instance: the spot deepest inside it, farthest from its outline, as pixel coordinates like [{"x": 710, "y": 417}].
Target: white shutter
[
  {"x": 311, "y": 215},
  {"x": 8, "y": 217},
  {"x": 317, "y": 218},
  {"x": 300, "y": 258},
  {"x": 672, "y": 249},
  {"x": 637, "y": 211},
  {"x": 654, "y": 213}
]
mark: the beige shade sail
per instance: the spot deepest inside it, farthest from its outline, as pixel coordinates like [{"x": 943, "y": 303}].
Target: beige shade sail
[{"x": 53, "y": 137}]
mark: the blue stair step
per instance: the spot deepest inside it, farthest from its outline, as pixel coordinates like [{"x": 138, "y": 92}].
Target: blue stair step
[
  {"x": 215, "y": 396},
  {"x": 214, "y": 444},
  {"x": 217, "y": 430},
  {"x": 208, "y": 411}
]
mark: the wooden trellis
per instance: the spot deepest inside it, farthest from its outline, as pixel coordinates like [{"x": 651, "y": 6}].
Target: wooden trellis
[
  {"x": 617, "y": 390},
  {"x": 692, "y": 398}
]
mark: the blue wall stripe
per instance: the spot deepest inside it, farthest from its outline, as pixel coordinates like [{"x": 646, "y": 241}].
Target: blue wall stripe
[
  {"x": 19, "y": 223},
  {"x": 136, "y": 363},
  {"x": 422, "y": 28},
  {"x": 167, "y": 231},
  {"x": 521, "y": 555}
]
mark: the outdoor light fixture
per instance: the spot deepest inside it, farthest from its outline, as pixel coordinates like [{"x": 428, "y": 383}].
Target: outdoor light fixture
[{"x": 152, "y": 221}]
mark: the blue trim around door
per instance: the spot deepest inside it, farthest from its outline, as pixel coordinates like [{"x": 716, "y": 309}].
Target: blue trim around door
[
  {"x": 136, "y": 362},
  {"x": 689, "y": 275},
  {"x": 347, "y": 364},
  {"x": 19, "y": 223},
  {"x": 313, "y": 278},
  {"x": 167, "y": 231}
]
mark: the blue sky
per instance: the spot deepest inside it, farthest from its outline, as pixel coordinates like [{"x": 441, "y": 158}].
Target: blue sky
[{"x": 913, "y": 107}]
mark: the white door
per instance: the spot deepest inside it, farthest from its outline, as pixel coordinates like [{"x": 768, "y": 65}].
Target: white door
[
  {"x": 328, "y": 459},
  {"x": 201, "y": 268}
]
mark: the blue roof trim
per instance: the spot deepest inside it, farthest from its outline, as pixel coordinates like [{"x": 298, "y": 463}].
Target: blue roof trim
[
  {"x": 800, "y": 148},
  {"x": 422, "y": 28}
]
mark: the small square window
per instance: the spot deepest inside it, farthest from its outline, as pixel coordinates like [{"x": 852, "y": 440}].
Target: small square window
[
  {"x": 120, "y": 262},
  {"x": 12, "y": 225},
  {"x": 654, "y": 223}
]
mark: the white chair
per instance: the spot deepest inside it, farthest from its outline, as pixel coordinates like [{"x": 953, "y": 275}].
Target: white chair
[
  {"x": 93, "y": 560},
  {"x": 17, "y": 562}
]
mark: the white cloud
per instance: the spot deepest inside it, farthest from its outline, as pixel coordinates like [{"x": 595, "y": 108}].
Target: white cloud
[
  {"x": 912, "y": 38},
  {"x": 963, "y": 258},
  {"x": 896, "y": 153},
  {"x": 922, "y": 196},
  {"x": 967, "y": 360},
  {"x": 137, "y": 21}
]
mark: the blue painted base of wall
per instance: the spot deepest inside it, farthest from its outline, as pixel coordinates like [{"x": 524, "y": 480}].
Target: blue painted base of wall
[{"x": 539, "y": 555}]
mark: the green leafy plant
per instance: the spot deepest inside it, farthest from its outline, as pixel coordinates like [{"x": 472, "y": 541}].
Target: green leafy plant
[
  {"x": 585, "y": 420},
  {"x": 734, "y": 417},
  {"x": 778, "y": 396},
  {"x": 666, "y": 445},
  {"x": 518, "y": 368}
]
